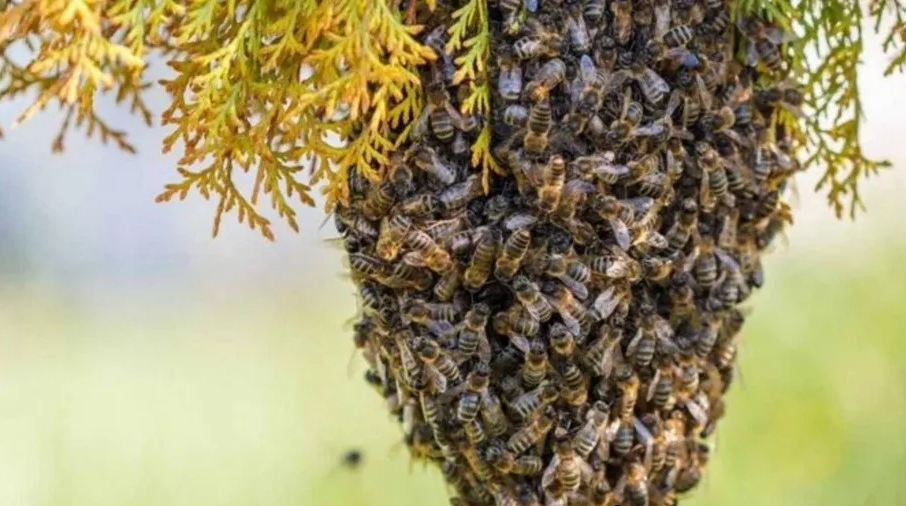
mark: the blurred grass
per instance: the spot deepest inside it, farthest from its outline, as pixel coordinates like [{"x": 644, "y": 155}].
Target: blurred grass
[{"x": 220, "y": 400}]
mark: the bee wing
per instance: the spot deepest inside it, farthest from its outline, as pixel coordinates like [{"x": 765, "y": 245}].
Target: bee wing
[
  {"x": 657, "y": 82},
  {"x": 704, "y": 195},
  {"x": 440, "y": 328},
  {"x": 518, "y": 221},
  {"x": 572, "y": 324},
  {"x": 653, "y": 386},
  {"x": 437, "y": 380},
  {"x": 645, "y": 438},
  {"x": 751, "y": 54},
  {"x": 415, "y": 259},
  {"x": 651, "y": 130},
  {"x": 550, "y": 472},
  {"x": 420, "y": 128},
  {"x": 734, "y": 136},
  {"x": 696, "y": 411},
  {"x": 531, "y": 5},
  {"x": 613, "y": 170},
  {"x": 588, "y": 72},
  {"x": 727, "y": 259},
  {"x": 676, "y": 99},
  {"x": 578, "y": 289},
  {"x": 605, "y": 303},
  {"x": 617, "y": 80},
  {"x": 484, "y": 348},
  {"x": 621, "y": 233},
  {"x": 661, "y": 19},
  {"x": 520, "y": 342},
  {"x": 703, "y": 94},
  {"x": 630, "y": 349}
]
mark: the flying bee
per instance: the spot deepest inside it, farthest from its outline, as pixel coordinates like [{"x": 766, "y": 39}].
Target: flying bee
[
  {"x": 536, "y": 364},
  {"x": 530, "y": 434},
  {"x": 586, "y": 438},
  {"x": 509, "y": 81},
  {"x": 529, "y": 295},
  {"x": 482, "y": 261},
  {"x": 516, "y": 115},
  {"x": 553, "y": 178},
  {"x": 622, "y": 20},
  {"x": 392, "y": 233},
  {"x": 426, "y": 158},
  {"x": 539, "y": 122},
  {"x": 600, "y": 166},
  {"x": 566, "y": 467},
  {"x": 534, "y": 401},
  {"x": 546, "y": 79},
  {"x": 470, "y": 401},
  {"x": 473, "y": 336},
  {"x": 512, "y": 253},
  {"x": 579, "y": 37},
  {"x": 427, "y": 253}
]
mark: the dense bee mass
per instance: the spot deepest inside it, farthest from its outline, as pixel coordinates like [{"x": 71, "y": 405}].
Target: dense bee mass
[{"x": 566, "y": 335}]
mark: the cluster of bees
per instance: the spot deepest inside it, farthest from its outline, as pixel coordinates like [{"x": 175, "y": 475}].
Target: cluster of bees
[{"x": 565, "y": 335}]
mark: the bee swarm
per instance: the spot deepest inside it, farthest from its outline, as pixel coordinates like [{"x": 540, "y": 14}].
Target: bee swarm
[{"x": 567, "y": 336}]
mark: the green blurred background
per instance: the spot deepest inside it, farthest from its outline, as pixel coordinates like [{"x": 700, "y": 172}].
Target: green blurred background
[{"x": 142, "y": 363}]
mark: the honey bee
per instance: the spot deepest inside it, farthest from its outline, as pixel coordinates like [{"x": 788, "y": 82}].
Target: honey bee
[
  {"x": 365, "y": 267},
  {"x": 714, "y": 184},
  {"x": 534, "y": 401},
  {"x": 379, "y": 200},
  {"x": 426, "y": 158},
  {"x": 623, "y": 438},
  {"x": 579, "y": 36},
  {"x": 628, "y": 383},
  {"x": 482, "y": 261},
  {"x": 603, "y": 353},
  {"x": 594, "y": 10},
  {"x": 536, "y": 364},
  {"x": 661, "y": 388},
  {"x": 531, "y": 433},
  {"x": 586, "y": 438},
  {"x": 706, "y": 268},
  {"x": 600, "y": 166},
  {"x": 553, "y": 178},
  {"x": 654, "y": 88},
  {"x": 429, "y": 315},
  {"x": 572, "y": 274},
  {"x": 622, "y": 20},
  {"x": 495, "y": 421},
  {"x": 475, "y": 461},
  {"x": 546, "y": 79},
  {"x": 439, "y": 115},
  {"x": 608, "y": 208},
  {"x": 683, "y": 227},
  {"x": 530, "y": 297},
  {"x": 622, "y": 266},
  {"x": 513, "y": 251},
  {"x": 392, "y": 233},
  {"x": 539, "y": 125},
  {"x": 516, "y": 115},
  {"x": 764, "y": 43},
  {"x": 570, "y": 310},
  {"x": 574, "y": 383},
  {"x": 473, "y": 337},
  {"x": 427, "y": 252},
  {"x": 446, "y": 286},
  {"x": 567, "y": 467},
  {"x": 541, "y": 42},
  {"x": 456, "y": 196},
  {"x": 636, "y": 490},
  {"x": 509, "y": 81},
  {"x": 470, "y": 401},
  {"x": 440, "y": 367},
  {"x": 420, "y": 205},
  {"x": 601, "y": 494},
  {"x": 611, "y": 298}
]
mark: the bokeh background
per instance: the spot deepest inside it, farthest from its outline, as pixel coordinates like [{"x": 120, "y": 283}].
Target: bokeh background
[{"x": 143, "y": 363}]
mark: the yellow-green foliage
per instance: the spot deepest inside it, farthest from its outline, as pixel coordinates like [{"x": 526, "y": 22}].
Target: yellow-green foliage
[{"x": 282, "y": 87}]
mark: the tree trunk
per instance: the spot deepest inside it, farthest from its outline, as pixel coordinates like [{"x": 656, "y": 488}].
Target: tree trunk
[{"x": 563, "y": 330}]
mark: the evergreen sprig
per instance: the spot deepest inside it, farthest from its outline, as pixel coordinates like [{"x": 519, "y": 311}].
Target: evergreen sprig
[{"x": 296, "y": 92}]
